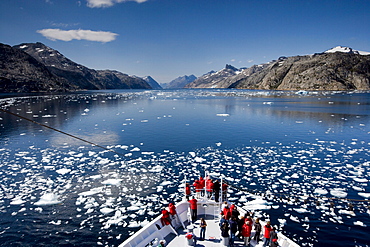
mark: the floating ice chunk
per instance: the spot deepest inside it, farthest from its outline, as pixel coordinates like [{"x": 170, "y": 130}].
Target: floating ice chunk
[
  {"x": 366, "y": 195},
  {"x": 320, "y": 191},
  {"x": 218, "y": 144},
  {"x": 48, "y": 199},
  {"x": 106, "y": 210},
  {"x": 282, "y": 221},
  {"x": 222, "y": 115},
  {"x": 63, "y": 171},
  {"x": 361, "y": 180},
  {"x": 136, "y": 149},
  {"x": 112, "y": 181},
  {"x": 359, "y": 223},
  {"x": 57, "y": 223},
  {"x": 338, "y": 193},
  {"x": 294, "y": 218},
  {"x": 199, "y": 159},
  {"x": 17, "y": 201},
  {"x": 300, "y": 210}
]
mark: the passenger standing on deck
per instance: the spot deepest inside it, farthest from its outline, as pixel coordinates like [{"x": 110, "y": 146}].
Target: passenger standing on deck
[
  {"x": 226, "y": 212},
  {"x": 165, "y": 219},
  {"x": 225, "y": 233},
  {"x": 194, "y": 209},
  {"x": 172, "y": 209},
  {"x": 162, "y": 243},
  {"x": 202, "y": 184},
  {"x": 258, "y": 229},
  {"x": 203, "y": 227},
  {"x": 273, "y": 238},
  {"x": 198, "y": 188},
  {"x": 224, "y": 191},
  {"x": 216, "y": 190},
  {"x": 246, "y": 233},
  {"x": 209, "y": 188},
  {"x": 233, "y": 229},
  {"x": 187, "y": 191},
  {"x": 267, "y": 229}
]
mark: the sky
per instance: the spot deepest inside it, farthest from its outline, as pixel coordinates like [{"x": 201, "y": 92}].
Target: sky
[{"x": 166, "y": 39}]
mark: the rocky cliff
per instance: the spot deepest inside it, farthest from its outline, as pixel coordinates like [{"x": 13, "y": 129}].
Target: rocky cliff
[
  {"x": 20, "y": 72},
  {"x": 340, "y": 68},
  {"x": 48, "y": 70},
  {"x": 326, "y": 71}
]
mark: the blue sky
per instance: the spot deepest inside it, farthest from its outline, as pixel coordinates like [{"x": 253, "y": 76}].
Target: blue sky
[{"x": 170, "y": 38}]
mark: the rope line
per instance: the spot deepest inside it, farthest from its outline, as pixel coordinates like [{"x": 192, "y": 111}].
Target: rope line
[{"x": 62, "y": 132}]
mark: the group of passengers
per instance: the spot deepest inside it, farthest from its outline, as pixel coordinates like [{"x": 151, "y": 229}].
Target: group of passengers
[
  {"x": 208, "y": 186},
  {"x": 233, "y": 226}
]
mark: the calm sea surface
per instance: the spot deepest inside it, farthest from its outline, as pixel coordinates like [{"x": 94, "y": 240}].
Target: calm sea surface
[{"x": 305, "y": 157}]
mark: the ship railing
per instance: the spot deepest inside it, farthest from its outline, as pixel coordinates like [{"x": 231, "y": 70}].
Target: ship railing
[{"x": 154, "y": 230}]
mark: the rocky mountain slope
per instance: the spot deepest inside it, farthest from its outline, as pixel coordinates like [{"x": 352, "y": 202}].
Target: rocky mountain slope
[
  {"x": 340, "y": 68},
  {"x": 65, "y": 74},
  {"x": 153, "y": 83},
  {"x": 20, "y": 72},
  {"x": 179, "y": 82},
  {"x": 215, "y": 79}
]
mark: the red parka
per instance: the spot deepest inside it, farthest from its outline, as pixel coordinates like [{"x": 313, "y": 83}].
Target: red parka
[
  {"x": 172, "y": 208},
  {"x": 268, "y": 229},
  {"x": 227, "y": 213},
  {"x": 246, "y": 229},
  {"x": 193, "y": 203}
]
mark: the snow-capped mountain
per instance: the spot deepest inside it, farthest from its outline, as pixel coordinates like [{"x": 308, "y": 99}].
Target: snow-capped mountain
[
  {"x": 215, "y": 79},
  {"x": 346, "y": 50},
  {"x": 74, "y": 74}
]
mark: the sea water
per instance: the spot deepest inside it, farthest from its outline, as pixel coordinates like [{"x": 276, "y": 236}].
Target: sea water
[{"x": 300, "y": 160}]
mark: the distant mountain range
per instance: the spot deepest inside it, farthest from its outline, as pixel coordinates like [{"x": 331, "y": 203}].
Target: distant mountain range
[
  {"x": 34, "y": 67},
  {"x": 340, "y": 68},
  {"x": 179, "y": 82}
]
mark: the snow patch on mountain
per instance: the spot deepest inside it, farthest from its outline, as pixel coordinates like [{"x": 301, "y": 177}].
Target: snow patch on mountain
[{"x": 346, "y": 50}]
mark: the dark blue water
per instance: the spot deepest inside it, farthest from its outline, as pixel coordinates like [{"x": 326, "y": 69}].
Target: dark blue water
[{"x": 304, "y": 155}]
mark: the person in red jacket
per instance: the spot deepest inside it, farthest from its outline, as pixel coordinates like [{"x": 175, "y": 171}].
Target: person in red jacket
[
  {"x": 268, "y": 229},
  {"x": 187, "y": 191},
  {"x": 165, "y": 219},
  {"x": 172, "y": 209},
  {"x": 246, "y": 233},
  {"x": 198, "y": 188},
  {"x": 209, "y": 188},
  {"x": 226, "y": 212},
  {"x": 194, "y": 209},
  {"x": 224, "y": 191},
  {"x": 202, "y": 184}
]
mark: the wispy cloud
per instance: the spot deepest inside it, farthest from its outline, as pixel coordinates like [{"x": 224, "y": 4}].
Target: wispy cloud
[
  {"x": 108, "y": 3},
  {"x": 68, "y": 35}
]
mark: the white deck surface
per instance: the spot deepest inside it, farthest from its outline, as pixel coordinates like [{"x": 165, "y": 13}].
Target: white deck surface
[{"x": 213, "y": 237}]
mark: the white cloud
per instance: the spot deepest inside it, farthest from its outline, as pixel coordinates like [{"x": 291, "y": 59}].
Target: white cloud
[
  {"x": 68, "y": 35},
  {"x": 108, "y": 3}
]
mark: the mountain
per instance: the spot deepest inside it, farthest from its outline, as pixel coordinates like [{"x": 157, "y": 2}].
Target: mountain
[
  {"x": 79, "y": 75},
  {"x": 179, "y": 82},
  {"x": 346, "y": 50},
  {"x": 34, "y": 67},
  {"x": 215, "y": 79},
  {"x": 340, "y": 68},
  {"x": 153, "y": 83},
  {"x": 20, "y": 72}
]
